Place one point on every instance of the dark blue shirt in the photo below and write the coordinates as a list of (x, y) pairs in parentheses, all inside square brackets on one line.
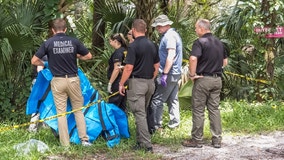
[(61, 51)]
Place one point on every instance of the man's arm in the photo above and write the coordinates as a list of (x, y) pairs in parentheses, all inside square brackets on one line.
[(192, 66), (125, 75), (156, 66), (36, 61), (86, 57), (170, 60)]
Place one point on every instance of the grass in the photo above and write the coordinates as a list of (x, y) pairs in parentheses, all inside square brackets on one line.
[(238, 117)]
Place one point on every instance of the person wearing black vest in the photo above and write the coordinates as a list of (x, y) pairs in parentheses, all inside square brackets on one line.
[(141, 67), (115, 65), (62, 52), (206, 62)]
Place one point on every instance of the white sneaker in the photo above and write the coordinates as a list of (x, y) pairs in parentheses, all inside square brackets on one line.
[(86, 143), (173, 125)]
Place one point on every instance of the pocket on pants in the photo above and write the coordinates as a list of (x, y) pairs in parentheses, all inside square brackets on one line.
[(132, 96)]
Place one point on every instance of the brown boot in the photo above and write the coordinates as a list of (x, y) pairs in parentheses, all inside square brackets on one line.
[(192, 143)]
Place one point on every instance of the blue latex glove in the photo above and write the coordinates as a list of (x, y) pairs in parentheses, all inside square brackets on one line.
[(45, 64), (164, 80)]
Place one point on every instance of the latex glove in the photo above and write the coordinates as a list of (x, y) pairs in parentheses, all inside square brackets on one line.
[(109, 88), (163, 80), (45, 64)]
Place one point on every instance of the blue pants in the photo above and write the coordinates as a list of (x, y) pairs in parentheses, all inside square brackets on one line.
[(169, 95)]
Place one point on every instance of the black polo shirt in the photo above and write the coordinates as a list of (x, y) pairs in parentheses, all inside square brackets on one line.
[(142, 54), (117, 56), (210, 53), (61, 51)]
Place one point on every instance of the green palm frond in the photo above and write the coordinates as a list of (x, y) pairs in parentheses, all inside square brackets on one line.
[(117, 15), (6, 52), (22, 27), (84, 31)]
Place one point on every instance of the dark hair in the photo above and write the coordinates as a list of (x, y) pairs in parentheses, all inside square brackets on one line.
[(59, 24), (120, 38), (139, 25)]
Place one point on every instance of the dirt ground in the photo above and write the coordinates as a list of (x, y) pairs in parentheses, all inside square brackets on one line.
[(268, 146), (245, 147)]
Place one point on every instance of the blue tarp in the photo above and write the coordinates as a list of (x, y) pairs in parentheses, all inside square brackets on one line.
[(112, 124)]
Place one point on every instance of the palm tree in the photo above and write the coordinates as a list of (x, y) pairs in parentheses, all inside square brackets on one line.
[(20, 30), (23, 26)]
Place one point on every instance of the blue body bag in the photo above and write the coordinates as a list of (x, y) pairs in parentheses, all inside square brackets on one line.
[(101, 117)]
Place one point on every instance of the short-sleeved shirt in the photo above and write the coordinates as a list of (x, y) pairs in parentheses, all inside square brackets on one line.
[(210, 53), (117, 56), (142, 54), (171, 40), (61, 51)]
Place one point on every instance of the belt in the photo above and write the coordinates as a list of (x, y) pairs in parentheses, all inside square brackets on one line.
[(143, 77), (211, 74), (66, 75)]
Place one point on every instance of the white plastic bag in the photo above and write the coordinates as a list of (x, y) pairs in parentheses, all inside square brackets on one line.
[(32, 144)]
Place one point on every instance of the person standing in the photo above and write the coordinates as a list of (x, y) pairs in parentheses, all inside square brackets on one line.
[(130, 36), (116, 61), (62, 52), (206, 62), (170, 52), (141, 67)]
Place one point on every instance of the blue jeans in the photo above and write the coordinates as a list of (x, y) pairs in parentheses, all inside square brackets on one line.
[(169, 95)]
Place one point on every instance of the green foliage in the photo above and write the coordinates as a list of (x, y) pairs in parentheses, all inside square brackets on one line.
[(184, 95), (241, 116), (237, 117), (13, 96), (248, 64), (184, 24), (116, 14), (23, 27)]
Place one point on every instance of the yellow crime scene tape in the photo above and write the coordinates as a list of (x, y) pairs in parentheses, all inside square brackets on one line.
[(58, 115), (238, 75), (93, 103), (248, 78)]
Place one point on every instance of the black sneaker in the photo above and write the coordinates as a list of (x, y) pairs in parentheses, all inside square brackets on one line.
[(138, 147), (149, 149)]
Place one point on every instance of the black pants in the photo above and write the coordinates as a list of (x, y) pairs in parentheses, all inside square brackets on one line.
[(117, 99)]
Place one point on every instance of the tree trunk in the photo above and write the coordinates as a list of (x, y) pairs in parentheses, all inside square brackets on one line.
[(147, 11), (269, 21), (97, 35)]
